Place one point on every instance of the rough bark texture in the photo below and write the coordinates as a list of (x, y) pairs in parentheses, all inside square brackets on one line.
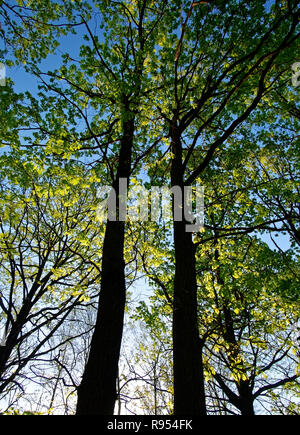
[(189, 394), (98, 390)]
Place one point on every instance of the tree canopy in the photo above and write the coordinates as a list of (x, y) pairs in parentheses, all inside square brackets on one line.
[(129, 315)]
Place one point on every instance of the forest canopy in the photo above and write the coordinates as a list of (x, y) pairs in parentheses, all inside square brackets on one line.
[(149, 207)]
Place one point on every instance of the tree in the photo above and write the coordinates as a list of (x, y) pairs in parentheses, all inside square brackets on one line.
[(200, 78), (246, 322), (130, 29), (47, 267), (113, 81), (250, 345), (210, 94)]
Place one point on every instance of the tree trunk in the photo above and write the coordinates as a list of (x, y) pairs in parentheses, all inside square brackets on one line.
[(247, 407), (98, 390), (189, 393), (246, 400)]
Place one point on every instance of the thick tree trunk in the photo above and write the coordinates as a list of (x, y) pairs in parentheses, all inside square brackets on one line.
[(247, 407), (189, 393), (246, 401), (98, 390)]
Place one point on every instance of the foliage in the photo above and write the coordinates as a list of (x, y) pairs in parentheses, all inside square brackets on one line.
[(202, 92)]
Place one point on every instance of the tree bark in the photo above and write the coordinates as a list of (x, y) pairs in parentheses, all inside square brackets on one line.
[(189, 392), (98, 390), (246, 399), (189, 395)]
